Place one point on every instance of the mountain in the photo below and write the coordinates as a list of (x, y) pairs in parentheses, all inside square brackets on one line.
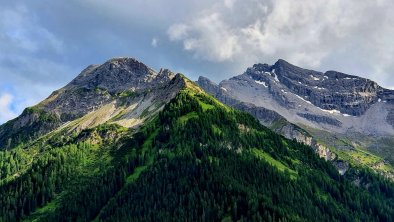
[(122, 91), (343, 117), (122, 142)]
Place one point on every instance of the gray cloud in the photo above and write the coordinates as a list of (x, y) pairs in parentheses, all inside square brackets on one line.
[(352, 36), (6, 112), (44, 44)]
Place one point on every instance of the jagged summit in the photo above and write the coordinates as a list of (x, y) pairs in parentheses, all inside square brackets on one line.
[(328, 100), (279, 65), (282, 67), (103, 82), (116, 75), (331, 90), (321, 109), (112, 150), (121, 90)]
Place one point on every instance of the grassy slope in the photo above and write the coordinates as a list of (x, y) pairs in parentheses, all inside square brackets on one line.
[(279, 165), (355, 151)]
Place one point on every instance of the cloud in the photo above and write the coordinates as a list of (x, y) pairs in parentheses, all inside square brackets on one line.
[(178, 32), (21, 33), (6, 112), (310, 33), (154, 42), (30, 60), (229, 3), (44, 44), (208, 37)]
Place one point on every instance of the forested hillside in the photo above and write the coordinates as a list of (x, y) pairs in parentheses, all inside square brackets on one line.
[(197, 160)]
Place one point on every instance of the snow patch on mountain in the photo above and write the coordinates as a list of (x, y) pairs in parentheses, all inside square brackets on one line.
[(261, 83)]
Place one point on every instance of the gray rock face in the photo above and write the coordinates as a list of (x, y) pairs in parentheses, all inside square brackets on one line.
[(268, 118), (292, 131), (97, 85), (341, 166), (330, 101), (330, 90), (114, 82), (31, 124), (117, 75), (209, 86), (312, 106), (320, 119), (390, 117)]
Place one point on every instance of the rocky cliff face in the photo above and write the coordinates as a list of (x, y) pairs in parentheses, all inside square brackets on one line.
[(331, 90), (98, 85), (268, 118), (305, 105), (123, 88), (330, 101), (265, 116)]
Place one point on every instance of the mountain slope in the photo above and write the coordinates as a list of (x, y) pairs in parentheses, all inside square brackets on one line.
[(119, 90), (337, 112), (269, 118), (195, 159), (330, 101)]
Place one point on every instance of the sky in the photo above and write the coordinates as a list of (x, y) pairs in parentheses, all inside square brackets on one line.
[(45, 44)]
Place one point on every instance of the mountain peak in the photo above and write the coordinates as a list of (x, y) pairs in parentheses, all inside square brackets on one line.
[(99, 93), (284, 87), (205, 79), (127, 63), (280, 64), (283, 62), (120, 132), (117, 74)]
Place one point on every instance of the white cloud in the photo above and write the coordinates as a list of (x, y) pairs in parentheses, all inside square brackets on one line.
[(229, 3), (154, 42), (317, 34), (178, 32), (6, 113), (44, 44), (21, 33), (208, 37), (30, 61)]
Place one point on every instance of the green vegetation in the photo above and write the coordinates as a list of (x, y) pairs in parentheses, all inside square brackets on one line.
[(358, 151), (100, 90), (137, 172), (197, 160), (183, 119), (261, 154), (37, 123), (205, 106), (125, 96)]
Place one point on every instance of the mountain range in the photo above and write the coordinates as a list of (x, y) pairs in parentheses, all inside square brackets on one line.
[(344, 117), (122, 142)]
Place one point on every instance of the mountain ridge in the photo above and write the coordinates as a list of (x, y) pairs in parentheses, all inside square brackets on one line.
[(306, 98), (180, 155), (96, 87), (302, 81), (311, 89)]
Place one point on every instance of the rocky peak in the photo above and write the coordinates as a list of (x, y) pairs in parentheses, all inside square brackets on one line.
[(209, 86), (203, 79), (115, 75), (98, 85), (99, 93), (331, 90), (164, 76), (260, 67)]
